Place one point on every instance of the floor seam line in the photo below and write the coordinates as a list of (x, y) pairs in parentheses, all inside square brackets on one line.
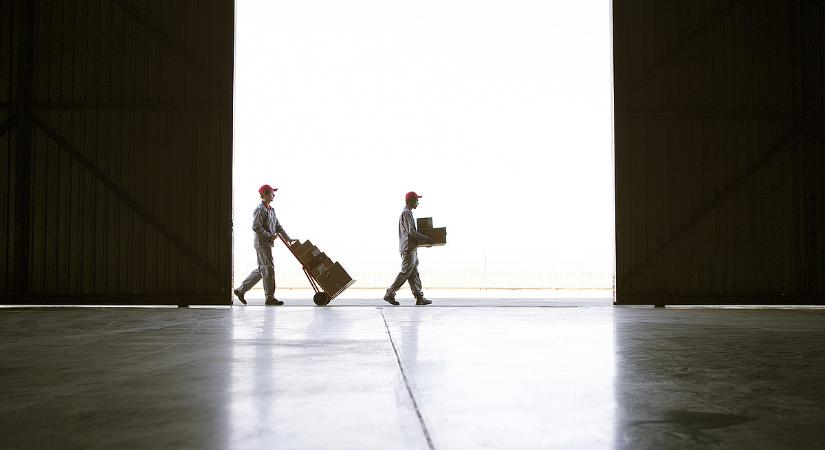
[(407, 383)]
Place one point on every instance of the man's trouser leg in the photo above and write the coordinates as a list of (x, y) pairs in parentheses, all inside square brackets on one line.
[(409, 260), (251, 280), (267, 268), (414, 279)]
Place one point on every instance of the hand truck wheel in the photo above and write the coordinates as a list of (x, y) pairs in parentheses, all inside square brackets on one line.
[(321, 298)]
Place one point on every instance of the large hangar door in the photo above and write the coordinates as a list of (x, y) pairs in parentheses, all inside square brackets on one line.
[(719, 145), (116, 138)]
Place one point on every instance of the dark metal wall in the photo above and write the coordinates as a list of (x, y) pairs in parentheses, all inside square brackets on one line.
[(719, 151), (116, 143)]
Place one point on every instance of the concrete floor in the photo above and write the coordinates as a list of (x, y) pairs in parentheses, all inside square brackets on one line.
[(445, 377)]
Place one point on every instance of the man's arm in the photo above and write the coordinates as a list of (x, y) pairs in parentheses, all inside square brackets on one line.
[(423, 238), (409, 227), (280, 230)]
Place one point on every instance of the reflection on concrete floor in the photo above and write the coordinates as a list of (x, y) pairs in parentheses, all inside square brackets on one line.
[(395, 377)]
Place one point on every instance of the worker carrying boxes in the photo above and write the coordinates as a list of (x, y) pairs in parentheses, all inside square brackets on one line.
[(438, 236), (327, 278)]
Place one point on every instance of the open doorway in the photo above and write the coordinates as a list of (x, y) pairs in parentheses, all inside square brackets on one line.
[(498, 113)]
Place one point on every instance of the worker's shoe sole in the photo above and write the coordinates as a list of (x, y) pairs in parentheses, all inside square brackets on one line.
[(239, 294), (392, 301)]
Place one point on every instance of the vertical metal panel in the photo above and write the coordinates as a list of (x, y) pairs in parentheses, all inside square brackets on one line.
[(719, 156), (131, 152), (6, 154)]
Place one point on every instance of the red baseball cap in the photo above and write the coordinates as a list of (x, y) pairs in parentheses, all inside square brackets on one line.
[(266, 188), (411, 195)]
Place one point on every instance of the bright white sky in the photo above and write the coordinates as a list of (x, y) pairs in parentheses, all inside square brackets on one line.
[(497, 112)]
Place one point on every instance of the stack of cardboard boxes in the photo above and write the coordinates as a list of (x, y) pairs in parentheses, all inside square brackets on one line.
[(332, 278), (438, 236)]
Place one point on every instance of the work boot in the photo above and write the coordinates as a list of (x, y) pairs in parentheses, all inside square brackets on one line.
[(390, 299), (420, 301), (239, 294), (273, 302)]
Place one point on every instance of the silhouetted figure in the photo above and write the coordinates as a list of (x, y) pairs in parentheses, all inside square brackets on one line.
[(266, 226), (408, 239)]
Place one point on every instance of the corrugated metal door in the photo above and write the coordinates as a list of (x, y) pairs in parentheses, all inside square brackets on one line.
[(116, 151), (719, 151)]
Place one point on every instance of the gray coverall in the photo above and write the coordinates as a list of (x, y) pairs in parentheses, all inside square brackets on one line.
[(264, 221), (408, 237)]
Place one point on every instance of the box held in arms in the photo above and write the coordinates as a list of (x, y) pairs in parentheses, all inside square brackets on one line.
[(424, 223), (438, 236)]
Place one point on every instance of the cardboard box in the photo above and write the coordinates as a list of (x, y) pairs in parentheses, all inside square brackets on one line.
[(331, 277), (320, 268), (298, 247), (320, 258), (424, 223), (308, 253), (334, 279), (438, 236)]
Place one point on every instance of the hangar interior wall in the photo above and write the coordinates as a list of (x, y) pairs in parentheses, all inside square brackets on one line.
[(116, 143), (719, 145)]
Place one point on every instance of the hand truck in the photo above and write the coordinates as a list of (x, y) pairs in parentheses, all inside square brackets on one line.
[(321, 298)]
